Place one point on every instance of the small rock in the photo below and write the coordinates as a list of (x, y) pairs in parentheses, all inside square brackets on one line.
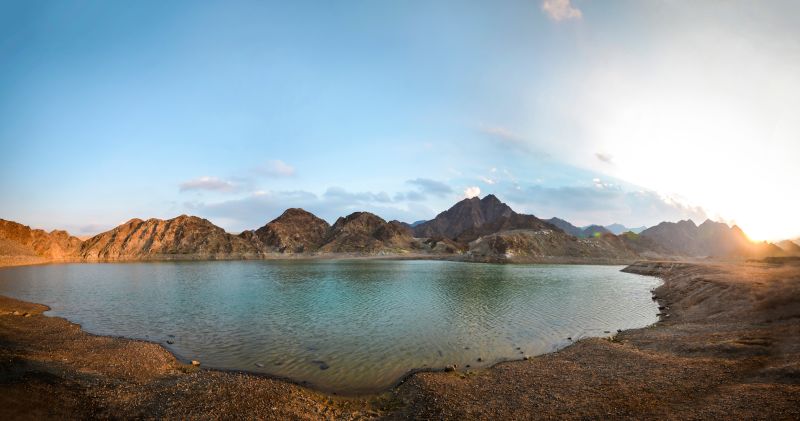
[(521, 352), (195, 363), (606, 331), (449, 368), (569, 338), (662, 307), (480, 359), (619, 330), (467, 366), (16, 313), (27, 315), (170, 342), (526, 358), (259, 365)]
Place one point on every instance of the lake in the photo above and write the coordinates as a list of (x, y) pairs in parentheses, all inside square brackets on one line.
[(344, 326)]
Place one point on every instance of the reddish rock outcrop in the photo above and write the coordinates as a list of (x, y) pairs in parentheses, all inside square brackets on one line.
[(181, 238)]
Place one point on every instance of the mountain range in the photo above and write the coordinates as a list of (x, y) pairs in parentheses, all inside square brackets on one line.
[(473, 230)]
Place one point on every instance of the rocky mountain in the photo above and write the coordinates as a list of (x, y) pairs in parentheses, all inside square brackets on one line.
[(566, 227), (295, 231), (710, 239), (364, 232), (618, 229), (594, 231), (184, 237), (472, 218), (790, 247), (467, 214), (580, 232), (20, 244)]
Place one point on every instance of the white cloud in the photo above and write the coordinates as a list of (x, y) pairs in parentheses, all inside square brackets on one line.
[(208, 183), (471, 192), (559, 10), (487, 180), (276, 168)]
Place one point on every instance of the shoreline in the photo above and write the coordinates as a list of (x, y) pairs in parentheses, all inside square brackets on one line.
[(33, 349), (459, 258)]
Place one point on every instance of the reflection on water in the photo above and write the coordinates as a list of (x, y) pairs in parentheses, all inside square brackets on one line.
[(345, 326)]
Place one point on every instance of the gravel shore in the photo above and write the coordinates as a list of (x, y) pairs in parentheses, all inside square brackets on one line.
[(727, 347)]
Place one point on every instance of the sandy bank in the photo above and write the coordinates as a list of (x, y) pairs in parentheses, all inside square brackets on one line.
[(729, 347)]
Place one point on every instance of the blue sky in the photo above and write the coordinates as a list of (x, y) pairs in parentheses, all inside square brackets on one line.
[(235, 111)]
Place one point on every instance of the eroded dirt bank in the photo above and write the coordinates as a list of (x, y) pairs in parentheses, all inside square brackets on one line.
[(729, 348)]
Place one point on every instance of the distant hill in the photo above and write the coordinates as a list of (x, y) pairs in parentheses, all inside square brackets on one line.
[(580, 232), (566, 227), (790, 247), (710, 239), (594, 231), (618, 229)]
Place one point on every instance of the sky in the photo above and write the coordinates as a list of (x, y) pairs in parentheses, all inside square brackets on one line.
[(593, 111)]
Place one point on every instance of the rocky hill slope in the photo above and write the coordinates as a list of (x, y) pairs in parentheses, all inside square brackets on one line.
[(364, 232), (20, 244), (181, 238), (465, 215), (710, 239), (295, 231), (523, 246)]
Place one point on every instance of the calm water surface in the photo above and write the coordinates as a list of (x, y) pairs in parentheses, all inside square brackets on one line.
[(343, 326)]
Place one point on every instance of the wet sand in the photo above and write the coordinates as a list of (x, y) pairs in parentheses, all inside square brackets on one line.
[(729, 348)]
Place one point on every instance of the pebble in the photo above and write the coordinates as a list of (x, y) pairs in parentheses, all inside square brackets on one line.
[(449, 368), (259, 365), (195, 363), (480, 359)]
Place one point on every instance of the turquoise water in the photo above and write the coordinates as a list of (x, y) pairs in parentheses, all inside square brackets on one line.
[(344, 326)]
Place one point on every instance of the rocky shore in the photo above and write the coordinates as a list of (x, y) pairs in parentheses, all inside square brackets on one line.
[(727, 347)]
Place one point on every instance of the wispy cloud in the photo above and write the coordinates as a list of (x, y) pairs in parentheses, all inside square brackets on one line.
[(505, 137), (342, 195), (602, 203), (559, 10), (432, 187), (208, 184), (276, 168)]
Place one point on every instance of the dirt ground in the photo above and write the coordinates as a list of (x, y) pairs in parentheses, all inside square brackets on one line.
[(727, 347)]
